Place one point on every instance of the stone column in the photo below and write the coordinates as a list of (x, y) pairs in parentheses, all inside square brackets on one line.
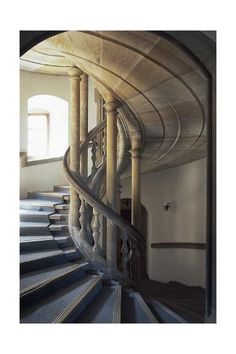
[(111, 179), (136, 183), (118, 230), (118, 201), (84, 123), (136, 205), (74, 134)]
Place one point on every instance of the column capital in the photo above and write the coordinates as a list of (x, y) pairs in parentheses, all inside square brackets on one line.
[(111, 103), (135, 153), (74, 72), (135, 150)]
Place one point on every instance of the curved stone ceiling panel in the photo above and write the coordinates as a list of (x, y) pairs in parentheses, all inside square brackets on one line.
[(160, 84)]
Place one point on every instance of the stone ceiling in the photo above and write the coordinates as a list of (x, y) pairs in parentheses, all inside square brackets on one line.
[(164, 88)]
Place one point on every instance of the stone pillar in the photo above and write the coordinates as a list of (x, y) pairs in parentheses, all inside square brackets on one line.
[(111, 179), (118, 201), (74, 134), (136, 183), (118, 230), (84, 123), (136, 206)]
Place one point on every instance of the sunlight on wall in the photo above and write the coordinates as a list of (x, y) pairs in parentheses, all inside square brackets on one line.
[(58, 121)]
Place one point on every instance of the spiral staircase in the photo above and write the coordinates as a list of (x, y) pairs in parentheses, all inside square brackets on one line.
[(66, 275), (64, 272)]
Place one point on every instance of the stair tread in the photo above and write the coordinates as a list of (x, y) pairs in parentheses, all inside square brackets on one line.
[(56, 216), (24, 239), (135, 309), (164, 313), (71, 249), (33, 224), (27, 257), (62, 206), (61, 238), (58, 226), (34, 212), (51, 193), (50, 307), (35, 201), (101, 309), (42, 275), (61, 186)]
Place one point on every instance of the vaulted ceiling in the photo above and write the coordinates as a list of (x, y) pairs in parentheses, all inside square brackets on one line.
[(163, 87)]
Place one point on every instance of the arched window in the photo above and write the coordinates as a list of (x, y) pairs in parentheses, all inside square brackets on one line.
[(47, 127)]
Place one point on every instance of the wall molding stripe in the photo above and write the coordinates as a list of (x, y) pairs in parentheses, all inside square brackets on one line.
[(188, 245)]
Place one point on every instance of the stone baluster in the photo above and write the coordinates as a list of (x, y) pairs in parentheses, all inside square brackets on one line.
[(83, 221), (135, 262), (103, 145), (96, 233), (85, 233), (124, 255), (93, 156)]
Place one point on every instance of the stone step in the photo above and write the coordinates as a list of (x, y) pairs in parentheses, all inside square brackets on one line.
[(62, 208), (66, 304), (50, 196), (163, 313), (59, 228), (34, 228), (37, 205), (72, 253), (105, 308), (39, 283), (34, 216), (59, 217), (134, 308), (62, 189), (37, 243), (63, 241), (40, 259)]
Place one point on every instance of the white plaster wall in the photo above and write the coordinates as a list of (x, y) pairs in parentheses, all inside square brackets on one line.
[(41, 177), (185, 185), (44, 176)]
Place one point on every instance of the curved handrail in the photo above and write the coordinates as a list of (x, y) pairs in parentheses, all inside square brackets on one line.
[(91, 190), (93, 133), (81, 188)]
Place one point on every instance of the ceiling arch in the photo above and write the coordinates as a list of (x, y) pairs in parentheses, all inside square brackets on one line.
[(164, 87)]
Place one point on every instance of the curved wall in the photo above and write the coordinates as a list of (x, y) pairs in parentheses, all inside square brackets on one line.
[(184, 185), (44, 176)]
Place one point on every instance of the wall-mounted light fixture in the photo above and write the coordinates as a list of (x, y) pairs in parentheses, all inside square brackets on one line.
[(167, 206)]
